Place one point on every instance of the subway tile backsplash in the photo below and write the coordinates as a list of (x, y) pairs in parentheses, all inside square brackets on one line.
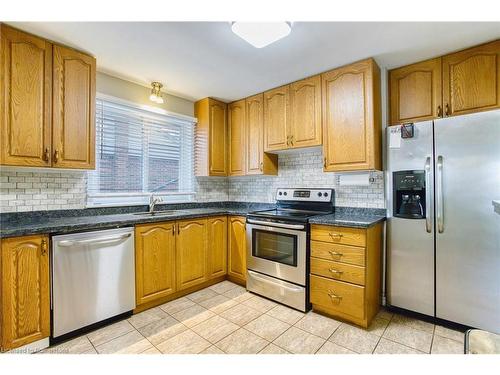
[(53, 190)]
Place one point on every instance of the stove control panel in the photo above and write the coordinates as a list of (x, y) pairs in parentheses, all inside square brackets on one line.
[(305, 195)]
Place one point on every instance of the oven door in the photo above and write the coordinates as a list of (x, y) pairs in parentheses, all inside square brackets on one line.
[(277, 249)]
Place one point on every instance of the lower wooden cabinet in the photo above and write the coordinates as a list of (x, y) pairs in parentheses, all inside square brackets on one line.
[(345, 272), (25, 291), (217, 246), (191, 254), (237, 266), (154, 261)]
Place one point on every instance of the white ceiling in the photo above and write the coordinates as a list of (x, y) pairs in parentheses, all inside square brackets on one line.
[(200, 59)]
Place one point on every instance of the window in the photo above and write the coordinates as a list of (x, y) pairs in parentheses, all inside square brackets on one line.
[(138, 152)]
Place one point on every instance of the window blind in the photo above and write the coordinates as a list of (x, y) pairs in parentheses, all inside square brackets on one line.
[(139, 152)]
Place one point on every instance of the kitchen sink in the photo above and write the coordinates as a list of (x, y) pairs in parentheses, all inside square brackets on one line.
[(155, 213)]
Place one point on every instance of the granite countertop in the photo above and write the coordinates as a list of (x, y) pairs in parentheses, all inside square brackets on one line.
[(70, 221)]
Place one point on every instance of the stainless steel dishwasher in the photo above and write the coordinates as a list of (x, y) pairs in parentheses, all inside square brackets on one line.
[(93, 278)]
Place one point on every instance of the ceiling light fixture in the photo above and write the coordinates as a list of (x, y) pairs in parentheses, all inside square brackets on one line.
[(156, 93), (261, 34)]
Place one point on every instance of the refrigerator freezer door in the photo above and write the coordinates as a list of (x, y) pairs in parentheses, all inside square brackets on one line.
[(467, 248), (410, 242)]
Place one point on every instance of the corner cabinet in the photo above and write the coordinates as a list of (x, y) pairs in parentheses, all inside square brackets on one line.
[(237, 138), (154, 261), (47, 105), (25, 291), (211, 138), (351, 118), (237, 249)]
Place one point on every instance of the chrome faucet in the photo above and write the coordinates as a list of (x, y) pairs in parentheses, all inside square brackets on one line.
[(153, 201)]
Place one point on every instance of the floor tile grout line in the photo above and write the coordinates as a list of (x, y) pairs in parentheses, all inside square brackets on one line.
[(409, 347), (382, 335)]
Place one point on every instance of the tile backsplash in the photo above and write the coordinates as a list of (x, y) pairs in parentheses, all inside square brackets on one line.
[(53, 190)]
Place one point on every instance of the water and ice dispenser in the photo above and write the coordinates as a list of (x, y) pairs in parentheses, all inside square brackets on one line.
[(408, 190)]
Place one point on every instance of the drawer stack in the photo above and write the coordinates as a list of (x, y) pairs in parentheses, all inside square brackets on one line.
[(345, 272)]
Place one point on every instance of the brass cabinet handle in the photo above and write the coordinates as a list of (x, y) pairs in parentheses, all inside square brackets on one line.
[(335, 253), (337, 272), (56, 156), (46, 154), (439, 111), (336, 236), (178, 229), (291, 140), (332, 295), (43, 247), (288, 140), (447, 110), (261, 166), (173, 230), (324, 163)]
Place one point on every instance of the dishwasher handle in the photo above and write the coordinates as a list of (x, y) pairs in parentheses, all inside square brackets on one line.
[(69, 243)]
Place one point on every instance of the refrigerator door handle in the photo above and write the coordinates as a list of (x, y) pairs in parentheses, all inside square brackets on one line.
[(428, 219), (439, 195)]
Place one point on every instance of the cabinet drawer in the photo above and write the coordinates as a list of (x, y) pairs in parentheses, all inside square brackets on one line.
[(338, 296), (340, 235), (338, 271), (338, 253)]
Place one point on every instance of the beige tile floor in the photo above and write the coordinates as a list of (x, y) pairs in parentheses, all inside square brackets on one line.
[(225, 318)]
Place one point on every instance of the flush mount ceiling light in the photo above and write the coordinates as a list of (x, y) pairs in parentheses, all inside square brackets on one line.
[(156, 93), (261, 34)]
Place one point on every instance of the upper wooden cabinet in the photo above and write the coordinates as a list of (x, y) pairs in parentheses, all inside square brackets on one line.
[(471, 80), (25, 294), (73, 126), (237, 138), (257, 161), (415, 92), (211, 138), (237, 249), (217, 246), (48, 103), (26, 99), (154, 261), (351, 118), (276, 118), (191, 257), (305, 113)]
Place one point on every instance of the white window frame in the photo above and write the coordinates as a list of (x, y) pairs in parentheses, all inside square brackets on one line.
[(136, 199)]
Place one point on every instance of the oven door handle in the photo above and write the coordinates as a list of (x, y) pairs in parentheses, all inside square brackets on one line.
[(255, 276), (278, 225)]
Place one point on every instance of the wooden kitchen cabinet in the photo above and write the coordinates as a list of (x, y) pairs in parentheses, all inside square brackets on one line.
[(471, 80), (48, 103), (351, 118), (276, 119), (345, 277), (257, 161), (217, 246), (155, 266), (191, 256), (237, 138), (26, 99), (211, 138), (237, 249), (25, 290), (415, 92), (305, 113)]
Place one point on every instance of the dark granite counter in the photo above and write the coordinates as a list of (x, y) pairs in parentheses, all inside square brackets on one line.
[(69, 221), (351, 217)]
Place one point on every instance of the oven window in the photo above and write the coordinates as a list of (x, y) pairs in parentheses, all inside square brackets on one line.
[(277, 247)]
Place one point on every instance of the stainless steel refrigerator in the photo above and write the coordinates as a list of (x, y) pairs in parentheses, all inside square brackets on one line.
[(443, 247)]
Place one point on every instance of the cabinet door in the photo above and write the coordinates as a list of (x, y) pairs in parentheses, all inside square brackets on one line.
[(26, 89), (73, 126), (305, 113), (255, 130), (217, 246), (25, 290), (351, 117), (237, 137), (154, 261), (218, 138), (471, 80), (237, 266), (191, 246), (415, 92), (276, 112)]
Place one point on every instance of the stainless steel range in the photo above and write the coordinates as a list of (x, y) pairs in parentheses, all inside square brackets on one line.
[(278, 245)]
